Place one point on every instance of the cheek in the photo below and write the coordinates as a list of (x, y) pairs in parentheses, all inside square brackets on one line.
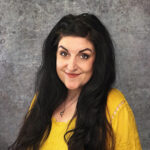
[(58, 66), (59, 63), (88, 70), (88, 67), (59, 71)]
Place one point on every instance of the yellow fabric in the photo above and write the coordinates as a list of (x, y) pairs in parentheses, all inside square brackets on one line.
[(123, 122), (119, 115)]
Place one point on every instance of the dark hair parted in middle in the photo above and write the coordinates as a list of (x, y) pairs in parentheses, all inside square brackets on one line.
[(92, 127)]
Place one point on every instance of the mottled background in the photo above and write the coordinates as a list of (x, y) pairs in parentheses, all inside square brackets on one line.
[(24, 24)]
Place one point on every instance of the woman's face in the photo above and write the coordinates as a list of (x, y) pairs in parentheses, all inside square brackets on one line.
[(74, 61)]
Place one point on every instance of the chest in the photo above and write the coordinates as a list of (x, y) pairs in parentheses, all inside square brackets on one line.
[(55, 140)]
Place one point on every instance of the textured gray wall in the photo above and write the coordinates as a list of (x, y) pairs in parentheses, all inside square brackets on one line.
[(24, 24)]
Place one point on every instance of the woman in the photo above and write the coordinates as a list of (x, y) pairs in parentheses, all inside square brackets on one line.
[(75, 106)]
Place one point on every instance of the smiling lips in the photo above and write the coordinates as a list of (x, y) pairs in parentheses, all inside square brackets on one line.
[(72, 75)]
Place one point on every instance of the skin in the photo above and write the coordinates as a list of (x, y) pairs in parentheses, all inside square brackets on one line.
[(74, 66), (75, 58)]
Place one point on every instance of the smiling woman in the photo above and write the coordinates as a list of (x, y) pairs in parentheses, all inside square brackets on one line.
[(75, 58), (75, 106)]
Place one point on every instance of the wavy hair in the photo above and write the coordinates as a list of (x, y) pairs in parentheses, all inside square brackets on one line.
[(92, 130)]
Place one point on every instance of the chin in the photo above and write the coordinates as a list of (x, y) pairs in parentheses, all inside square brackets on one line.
[(72, 87)]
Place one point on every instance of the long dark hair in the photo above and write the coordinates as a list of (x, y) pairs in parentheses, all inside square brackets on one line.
[(92, 130)]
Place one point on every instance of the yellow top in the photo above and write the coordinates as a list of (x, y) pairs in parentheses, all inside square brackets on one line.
[(119, 115)]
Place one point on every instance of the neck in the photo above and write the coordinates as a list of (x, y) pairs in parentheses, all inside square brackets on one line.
[(73, 95), (71, 100)]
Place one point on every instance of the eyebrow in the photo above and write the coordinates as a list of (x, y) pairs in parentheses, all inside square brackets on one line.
[(86, 49)]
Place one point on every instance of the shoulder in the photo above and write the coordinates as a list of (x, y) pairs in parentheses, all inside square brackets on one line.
[(115, 101), (122, 121), (114, 97)]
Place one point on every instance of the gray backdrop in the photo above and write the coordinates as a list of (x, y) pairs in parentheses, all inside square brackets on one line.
[(24, 24)]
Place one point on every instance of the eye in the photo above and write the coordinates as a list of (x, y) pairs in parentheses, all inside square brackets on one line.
[(63, 53), (84, 56)]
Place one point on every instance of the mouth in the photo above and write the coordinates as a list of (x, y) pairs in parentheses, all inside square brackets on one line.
[(72, 75)]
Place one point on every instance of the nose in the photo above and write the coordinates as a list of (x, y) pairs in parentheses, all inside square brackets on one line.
[(72, 66)]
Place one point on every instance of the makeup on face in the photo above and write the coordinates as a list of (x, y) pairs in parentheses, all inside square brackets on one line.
[(74, 62)]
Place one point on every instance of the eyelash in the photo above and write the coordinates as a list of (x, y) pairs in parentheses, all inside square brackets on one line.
[(83, 56), (63, 54)]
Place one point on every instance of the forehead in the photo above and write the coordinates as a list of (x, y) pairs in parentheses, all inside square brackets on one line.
[(75, 43)]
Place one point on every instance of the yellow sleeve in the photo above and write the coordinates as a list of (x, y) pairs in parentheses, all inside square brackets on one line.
[(125, 129)]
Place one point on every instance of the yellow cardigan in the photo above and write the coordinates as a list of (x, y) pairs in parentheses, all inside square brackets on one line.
[(119, 115)]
